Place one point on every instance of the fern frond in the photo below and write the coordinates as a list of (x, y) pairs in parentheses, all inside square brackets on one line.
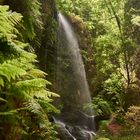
[(21, 83), (8, 21), (45, 94), (12, 112), (10, 71), (47, 106), (28, 87), (34, 107), (1, 81), (33, 83), (4, 8), (22, 63), (34, 7), (2, 100), (17, 130), (8, 113), (18, 46), (15, 18), (37, 73), (51, 94)]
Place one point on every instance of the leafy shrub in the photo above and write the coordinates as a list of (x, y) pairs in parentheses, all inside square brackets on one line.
[(132, 119), (100, 106)]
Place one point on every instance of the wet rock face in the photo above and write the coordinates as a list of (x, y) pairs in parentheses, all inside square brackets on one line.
[(64, 134), (78, 118), (74, 133), (82, 134), (75, 125)]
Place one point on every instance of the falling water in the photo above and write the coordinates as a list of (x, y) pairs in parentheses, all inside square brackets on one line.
[(72, 85), (68, 130), (62, 125), (72, 53)]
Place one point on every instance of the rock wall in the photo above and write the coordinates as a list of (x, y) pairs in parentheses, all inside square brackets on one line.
[(47, 51)]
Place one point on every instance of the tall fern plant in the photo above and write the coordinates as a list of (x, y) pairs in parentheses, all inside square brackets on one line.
[(25, 102)]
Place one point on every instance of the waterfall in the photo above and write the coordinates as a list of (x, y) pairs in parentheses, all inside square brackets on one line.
[(70, 133), (73, 86), (70, 53)]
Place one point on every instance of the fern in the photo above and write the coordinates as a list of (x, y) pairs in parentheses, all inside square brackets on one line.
[(32, 18), (100, 106), (8, 22), (45, 94), (37, 73), (11, 112), (23, 91), (48, 106), (2, 100), (1, 81), (10, 71)]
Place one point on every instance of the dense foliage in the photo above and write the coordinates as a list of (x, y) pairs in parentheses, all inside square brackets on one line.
[(25, 101), (111, 54), (108, 33)]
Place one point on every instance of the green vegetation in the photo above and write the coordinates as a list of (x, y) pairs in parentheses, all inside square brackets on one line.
[(108, 33), (111, 56), (25, 101)]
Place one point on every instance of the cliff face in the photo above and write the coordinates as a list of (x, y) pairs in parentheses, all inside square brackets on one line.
[(47, 51), (47, 38)]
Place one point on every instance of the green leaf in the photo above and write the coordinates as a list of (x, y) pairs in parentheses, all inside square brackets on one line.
[(1, 82), (10, 71), (2, 100)]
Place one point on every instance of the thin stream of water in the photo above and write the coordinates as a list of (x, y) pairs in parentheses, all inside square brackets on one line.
[(72, 84), (76, 60)]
